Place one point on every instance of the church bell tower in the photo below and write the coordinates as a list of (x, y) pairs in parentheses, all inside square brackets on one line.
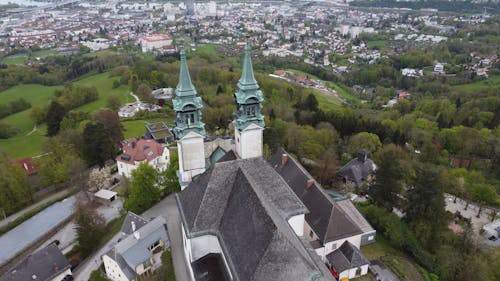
[(189, 130), (249, 122)]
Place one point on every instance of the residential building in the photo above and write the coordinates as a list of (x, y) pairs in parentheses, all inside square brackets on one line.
[(47, 264), (155, 42), (359, 170), (138, 254), (137, 151)]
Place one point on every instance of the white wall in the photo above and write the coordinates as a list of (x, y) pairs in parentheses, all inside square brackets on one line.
[(112, 269), (297, 223), (198, 247), (249, 142), (191, 156), (62, 275), (351, 273)]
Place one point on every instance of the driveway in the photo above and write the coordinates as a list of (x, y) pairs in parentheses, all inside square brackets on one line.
[(166, 208)]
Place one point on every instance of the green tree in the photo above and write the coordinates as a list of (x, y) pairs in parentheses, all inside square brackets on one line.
[(55, 115), (98, 146), (15, 190), (89, 227), (59, 164), (425, 208), (113, 102), (393, 170), (483, 194), (169, 179), (363, 140), (143, 190)]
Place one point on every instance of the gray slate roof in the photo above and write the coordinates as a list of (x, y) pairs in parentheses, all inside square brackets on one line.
[(127, 223), (246, 204), (328, 220), (45, 264), (346, 257), (358, 169), (131, 251)]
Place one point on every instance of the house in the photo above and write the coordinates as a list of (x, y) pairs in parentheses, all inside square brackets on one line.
[(241, 221), (159, 132), (138, 254), (358, 170), (47, 264), (163, 94), (329, 222), (412, 72), (439, 68), (135, 152), (347, 262), (492, 230), (155, 42)]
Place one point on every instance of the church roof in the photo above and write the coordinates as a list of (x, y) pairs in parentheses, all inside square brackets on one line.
[(246, 204), (328, 219)]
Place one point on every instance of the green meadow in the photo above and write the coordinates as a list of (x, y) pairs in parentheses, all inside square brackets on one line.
[(23, 145)]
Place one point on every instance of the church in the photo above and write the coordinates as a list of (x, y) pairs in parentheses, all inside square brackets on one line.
[(241, 219)]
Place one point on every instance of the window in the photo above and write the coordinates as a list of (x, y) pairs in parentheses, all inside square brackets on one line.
[(311, 234), (370, 238), (358, 271), (154, 245), (250, 110)]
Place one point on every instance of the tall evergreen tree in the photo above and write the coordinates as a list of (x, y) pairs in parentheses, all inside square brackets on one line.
[(393, 170), (54, 116), (98, 145), (425, 208)]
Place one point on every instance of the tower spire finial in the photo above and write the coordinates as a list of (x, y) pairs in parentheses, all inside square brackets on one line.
[(185, 86), (247, 80)]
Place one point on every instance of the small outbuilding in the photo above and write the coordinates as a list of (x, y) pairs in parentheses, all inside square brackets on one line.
[(105, 196)]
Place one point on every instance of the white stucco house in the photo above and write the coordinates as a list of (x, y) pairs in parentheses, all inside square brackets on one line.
[(139, 252), (135, 152)]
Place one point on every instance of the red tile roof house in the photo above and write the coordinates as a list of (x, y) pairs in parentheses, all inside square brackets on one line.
[(140, 151)]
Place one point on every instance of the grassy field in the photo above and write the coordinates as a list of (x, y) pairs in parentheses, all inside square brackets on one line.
[(134, 128), (378, 44), (480, 85), (395, 260), (22, 58), (24, 145)]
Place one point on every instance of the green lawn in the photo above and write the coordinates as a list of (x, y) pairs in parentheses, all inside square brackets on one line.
[(379, 44), (23, 145), (102, 53), (104, 85), (326, 101), (480, 85), (17, 59), (394, 259), (134, 128), (22, 58)]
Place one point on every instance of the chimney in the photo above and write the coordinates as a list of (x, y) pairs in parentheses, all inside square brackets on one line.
[(133, 144), (133, 226), (310, 183), (137, 235), (284, 159), (362, 155)]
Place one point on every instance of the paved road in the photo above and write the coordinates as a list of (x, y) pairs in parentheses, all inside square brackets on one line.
[(175, 235), (166, 208), (13, 217)]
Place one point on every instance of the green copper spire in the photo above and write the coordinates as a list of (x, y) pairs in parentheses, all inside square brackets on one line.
[(248, 98), (247, 80), (185, 86), (187, 105)]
